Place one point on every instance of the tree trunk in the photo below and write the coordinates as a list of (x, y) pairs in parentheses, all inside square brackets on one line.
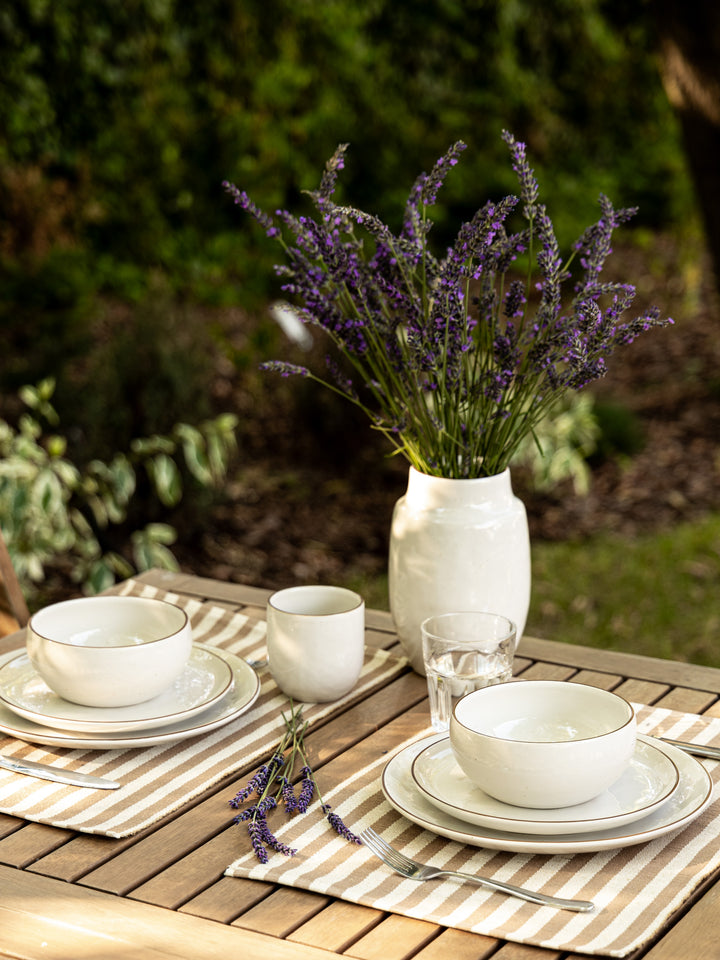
[(690, 50)]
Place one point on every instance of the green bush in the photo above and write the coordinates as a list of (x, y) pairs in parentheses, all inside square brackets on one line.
[(54, 512), (119, 122), (132, 114)]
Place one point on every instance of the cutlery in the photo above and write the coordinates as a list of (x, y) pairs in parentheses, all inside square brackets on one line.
[(413, 870), (46, 772), (697, 749)]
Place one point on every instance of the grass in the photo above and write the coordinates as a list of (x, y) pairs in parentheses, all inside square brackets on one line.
[(656, 595)]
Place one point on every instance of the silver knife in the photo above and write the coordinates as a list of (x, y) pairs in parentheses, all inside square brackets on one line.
[(697, 749), (46, 772)]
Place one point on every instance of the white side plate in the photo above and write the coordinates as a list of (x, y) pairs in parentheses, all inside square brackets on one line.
[(687, 803), (239, 699), (649, 781), (204, 681)]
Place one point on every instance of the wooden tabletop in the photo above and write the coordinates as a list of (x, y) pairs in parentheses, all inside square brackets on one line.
[(162, 893)]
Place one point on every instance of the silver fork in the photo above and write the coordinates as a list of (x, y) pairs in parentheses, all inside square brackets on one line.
[(413, 870)]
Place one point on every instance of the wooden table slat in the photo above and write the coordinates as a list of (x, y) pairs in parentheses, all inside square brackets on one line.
[(395, 938), (23, 847), (227, 899), (42, 917), (282, 912), (695, 936), (338, 926), (459, 945)]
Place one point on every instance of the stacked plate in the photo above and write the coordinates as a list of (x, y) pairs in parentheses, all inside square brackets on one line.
[(662, 790), (215, 688)]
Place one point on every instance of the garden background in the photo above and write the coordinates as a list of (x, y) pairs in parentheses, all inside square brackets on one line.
[(134, 297)]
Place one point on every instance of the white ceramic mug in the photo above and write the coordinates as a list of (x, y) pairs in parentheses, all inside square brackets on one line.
[(315, 641)]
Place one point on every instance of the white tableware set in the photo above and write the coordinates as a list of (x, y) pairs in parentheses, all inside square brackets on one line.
[(114, 672), (546, 767)]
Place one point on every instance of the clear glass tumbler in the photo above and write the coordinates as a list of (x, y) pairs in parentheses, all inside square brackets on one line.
[(464, 652)]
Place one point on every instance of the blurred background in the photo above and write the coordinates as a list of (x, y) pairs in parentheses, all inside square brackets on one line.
[(135, 426)]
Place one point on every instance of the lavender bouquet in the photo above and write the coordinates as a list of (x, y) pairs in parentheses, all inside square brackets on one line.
[(454, 360), (272, 787)]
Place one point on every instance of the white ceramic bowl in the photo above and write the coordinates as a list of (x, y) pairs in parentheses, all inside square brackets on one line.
[(543, 743), (109, 651)]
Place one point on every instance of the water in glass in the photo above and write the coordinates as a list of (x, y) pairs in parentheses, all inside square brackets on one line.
[(452, 674)]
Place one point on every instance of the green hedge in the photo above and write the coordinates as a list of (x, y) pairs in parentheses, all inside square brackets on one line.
[(119, 122)]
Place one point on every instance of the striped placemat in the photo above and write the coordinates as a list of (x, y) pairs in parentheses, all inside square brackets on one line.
[(158, 779), (635, 889)]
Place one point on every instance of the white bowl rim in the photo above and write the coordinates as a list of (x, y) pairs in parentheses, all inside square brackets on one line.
[(100, 646), (275, 599), (547, 683)]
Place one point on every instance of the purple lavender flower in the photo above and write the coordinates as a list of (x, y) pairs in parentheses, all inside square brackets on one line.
[(255, 830), (288, 795), (515, 300), (453, 359), (262, 837), (307, 790), (244, 201), (332, 167), (435, 179), (528, 184), (285, 369), (258, 782), (338, 826), (253, 784)]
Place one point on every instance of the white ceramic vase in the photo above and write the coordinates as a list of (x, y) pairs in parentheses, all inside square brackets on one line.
[(457, 545)]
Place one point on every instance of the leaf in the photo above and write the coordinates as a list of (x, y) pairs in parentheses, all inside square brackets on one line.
[(165, 478), (123, 477), (100, 577), (148, 553), (161, 532)]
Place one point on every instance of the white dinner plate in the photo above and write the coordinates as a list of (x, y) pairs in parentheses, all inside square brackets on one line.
[(686, 803), (650, 780), (239, 698), (204, 681)]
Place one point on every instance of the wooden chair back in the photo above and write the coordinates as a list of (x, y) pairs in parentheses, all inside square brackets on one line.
[(13, 590)]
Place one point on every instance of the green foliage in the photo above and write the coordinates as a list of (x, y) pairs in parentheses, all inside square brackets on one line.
[(620, 431), (54, 511), (132, 114), (561, 444), (654, 594), (119, 122), (46, 311), (148, 366)]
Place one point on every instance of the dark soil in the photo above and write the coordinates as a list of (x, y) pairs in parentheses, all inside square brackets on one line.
[(314, 491)]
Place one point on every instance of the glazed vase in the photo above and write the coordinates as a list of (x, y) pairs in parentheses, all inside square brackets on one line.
[(457, 545)]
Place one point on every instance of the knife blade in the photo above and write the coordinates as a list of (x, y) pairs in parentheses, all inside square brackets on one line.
[(46, 772), (697, 749)]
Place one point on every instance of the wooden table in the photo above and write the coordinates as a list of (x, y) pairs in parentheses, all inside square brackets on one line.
[(162, 893)]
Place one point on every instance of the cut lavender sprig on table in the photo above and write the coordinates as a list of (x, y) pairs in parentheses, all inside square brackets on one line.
[(454, 359), (272, 787)]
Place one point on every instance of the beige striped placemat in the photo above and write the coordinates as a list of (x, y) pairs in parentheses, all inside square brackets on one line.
[(635, 889), (158, 779)]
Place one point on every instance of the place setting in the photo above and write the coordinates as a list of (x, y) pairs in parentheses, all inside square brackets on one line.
[(537, 766), (536, 809), (116, 672), (144, 699)]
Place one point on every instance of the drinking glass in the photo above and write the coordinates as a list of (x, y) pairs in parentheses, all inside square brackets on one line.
[(463, 652)]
